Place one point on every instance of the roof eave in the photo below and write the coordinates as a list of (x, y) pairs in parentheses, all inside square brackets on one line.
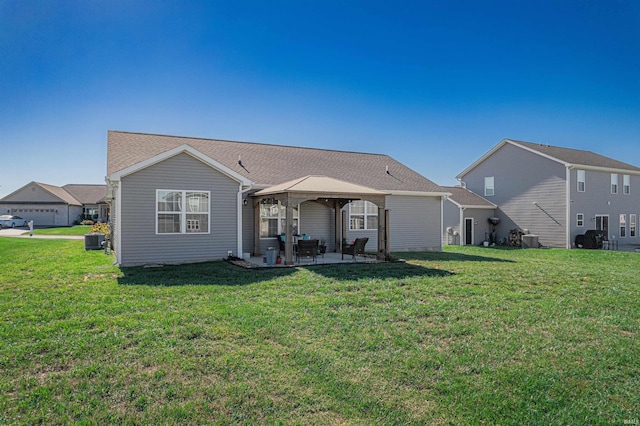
[(420, 193), (502, 143), (604, 169), (187, 149)]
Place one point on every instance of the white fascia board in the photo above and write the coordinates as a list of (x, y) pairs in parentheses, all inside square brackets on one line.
[(603, 169), (187, 149), (481, 159), (466, 206), (481, 207), (419, 194), (549, 157)]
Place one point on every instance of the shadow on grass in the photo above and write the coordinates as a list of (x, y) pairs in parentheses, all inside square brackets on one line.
[(208, 273), (224, 274), (446, 256), (388, 270)]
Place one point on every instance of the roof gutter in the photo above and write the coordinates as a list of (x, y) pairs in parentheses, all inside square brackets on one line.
[(603, 169), (420, 194)]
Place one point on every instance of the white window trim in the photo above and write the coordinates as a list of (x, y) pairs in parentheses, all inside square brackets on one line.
[(184, 212), (491, 187), (614, 183), (633, 225), (623, 225), (281, 219), (626, 184), (580, 220), (365, 214), (581, 181)]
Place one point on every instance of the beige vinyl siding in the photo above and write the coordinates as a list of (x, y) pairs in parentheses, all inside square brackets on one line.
[(34, 193), (372, 234), (415, 223), (247, 227), (530, 191), (318, 221), (451, 220), (139, 242), (481, 226)]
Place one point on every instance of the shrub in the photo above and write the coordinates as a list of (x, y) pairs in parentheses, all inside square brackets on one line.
[(87, 222), (101, 228)]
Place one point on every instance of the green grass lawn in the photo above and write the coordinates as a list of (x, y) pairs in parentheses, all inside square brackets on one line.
[(65, 230), (468, 336)]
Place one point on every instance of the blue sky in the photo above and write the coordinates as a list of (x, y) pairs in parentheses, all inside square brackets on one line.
[(433, 84)]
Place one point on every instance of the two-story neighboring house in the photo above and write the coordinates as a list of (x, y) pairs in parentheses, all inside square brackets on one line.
[(558, 193)]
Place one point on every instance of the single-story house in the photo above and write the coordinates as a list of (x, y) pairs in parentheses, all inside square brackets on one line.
[(50, 205), (558, 193), (181, 199), (469, 219)]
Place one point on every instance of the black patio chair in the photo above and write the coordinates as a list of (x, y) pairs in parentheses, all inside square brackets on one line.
[(307, 248), (280, 244), (355, 249)]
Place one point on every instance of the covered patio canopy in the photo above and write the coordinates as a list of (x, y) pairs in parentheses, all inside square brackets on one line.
[(335, 193)]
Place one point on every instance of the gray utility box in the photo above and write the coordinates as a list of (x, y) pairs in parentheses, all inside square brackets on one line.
[(93, 241), (530, 241)]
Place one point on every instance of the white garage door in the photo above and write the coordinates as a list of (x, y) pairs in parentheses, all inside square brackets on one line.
[(41, 217)]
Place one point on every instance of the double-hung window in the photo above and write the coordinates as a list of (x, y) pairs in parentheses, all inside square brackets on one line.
[(614, 183), (623, 225), (182, 212), (489, 188), (632, 225), (580, 220), (581, 180), (273, 216), (363, 215), (626, 184)]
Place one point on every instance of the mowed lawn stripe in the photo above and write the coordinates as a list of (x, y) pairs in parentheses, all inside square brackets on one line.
[(469, 335)]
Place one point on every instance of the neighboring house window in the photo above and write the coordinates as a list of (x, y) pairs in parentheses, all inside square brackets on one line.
[(580, 220), (626, 184), (632, 225), (182, 212), (273, 216), (581, 180), (623, 225), (363, 215), (614, 183), (489, 189)]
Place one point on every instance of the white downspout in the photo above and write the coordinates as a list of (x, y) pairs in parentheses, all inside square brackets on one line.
[(442, 222), (118, 197), (463, 229), (240, 196)]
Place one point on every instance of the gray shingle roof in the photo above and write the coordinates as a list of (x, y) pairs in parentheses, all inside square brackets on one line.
[(60, 193), (86, 194), (466, 198), (268, 165), (577, 156)]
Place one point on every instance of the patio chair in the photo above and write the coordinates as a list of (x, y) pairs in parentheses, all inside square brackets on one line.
[(281, 239), (307, 248), (355, 249)]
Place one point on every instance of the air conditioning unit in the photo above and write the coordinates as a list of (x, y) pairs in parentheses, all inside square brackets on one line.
[(93, 241)]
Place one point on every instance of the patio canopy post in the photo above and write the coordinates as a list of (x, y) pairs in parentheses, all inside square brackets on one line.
[(288, 224), (320, 189), (343, 226), (337, 205), (387, 235), (382, 240)]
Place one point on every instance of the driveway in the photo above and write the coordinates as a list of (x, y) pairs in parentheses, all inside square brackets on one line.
[(24, 233)]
